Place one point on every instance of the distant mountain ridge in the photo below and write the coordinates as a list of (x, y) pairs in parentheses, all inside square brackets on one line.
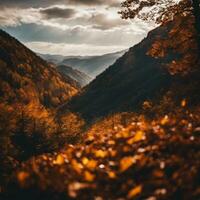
[(56, 59), (93, 65), (90, 65)]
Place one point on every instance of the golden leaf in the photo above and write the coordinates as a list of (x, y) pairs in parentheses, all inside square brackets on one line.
[(89, 176), (59, 160), (100, 154), (134, 192), (85, 160), (164, 120), (111, 142), (111, 175), (183, 103), (128, 161), (139, 135), (92, 164), (125, 163), (77, 166)]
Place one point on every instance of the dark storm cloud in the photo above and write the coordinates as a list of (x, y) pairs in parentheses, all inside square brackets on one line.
[(25, 3), (33, 3), (56, 12), (43, 3), (90, 2)]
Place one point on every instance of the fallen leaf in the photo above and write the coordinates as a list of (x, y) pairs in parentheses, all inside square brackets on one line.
[(134, 192), (112, 175), (59, 160), (91, 164), (100, 154), (126, 162), (77, 166), (89, 176), (164, 120), (183, 103), (85, 160), (139, 135)]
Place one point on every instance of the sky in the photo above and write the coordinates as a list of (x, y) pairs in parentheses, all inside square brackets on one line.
[(70, 27)]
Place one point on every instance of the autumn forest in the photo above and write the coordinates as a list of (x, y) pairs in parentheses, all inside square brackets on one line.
[(115, 125)]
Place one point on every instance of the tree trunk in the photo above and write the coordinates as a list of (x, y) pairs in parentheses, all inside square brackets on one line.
[(196, 12)]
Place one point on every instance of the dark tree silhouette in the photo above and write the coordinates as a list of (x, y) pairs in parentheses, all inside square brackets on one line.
[(162, 11)]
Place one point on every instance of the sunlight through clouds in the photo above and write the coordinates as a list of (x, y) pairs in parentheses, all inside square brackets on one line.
[(94, 23)]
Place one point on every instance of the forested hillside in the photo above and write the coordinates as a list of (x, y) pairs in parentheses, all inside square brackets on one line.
[(146, 72), (24, 77), (30, 92)]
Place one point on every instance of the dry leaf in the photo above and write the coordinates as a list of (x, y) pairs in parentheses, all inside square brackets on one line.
[(85, 160), (139, 135), (59, 160), (128, 161), (77, 166), (89, 176), (111, 174), (100, 154), (134, 192), (164, 120), (125, 163), (91, 164), (183, 103)]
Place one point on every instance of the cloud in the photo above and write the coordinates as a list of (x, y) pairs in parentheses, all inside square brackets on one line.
[(62, 17), (17, 16), (49, 16), (78, 35), (46, 3), (57, 12), (76, 27), (31, 3), (111, 3), (104, 22)]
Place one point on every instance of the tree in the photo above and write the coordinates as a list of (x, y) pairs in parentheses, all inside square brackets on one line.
[(162, 11)]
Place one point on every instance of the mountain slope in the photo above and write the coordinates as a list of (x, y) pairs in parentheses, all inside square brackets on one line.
[(25, 77), (82, 78), (137, 76), (92, 65), (134, 78)]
